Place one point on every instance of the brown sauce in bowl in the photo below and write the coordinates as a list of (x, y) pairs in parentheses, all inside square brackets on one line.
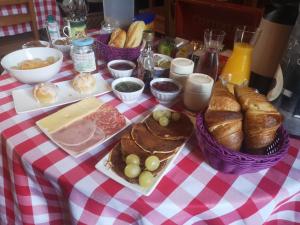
[(121, 66), (165, 86)]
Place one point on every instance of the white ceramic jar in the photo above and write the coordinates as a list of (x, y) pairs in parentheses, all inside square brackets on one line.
[(197, 91), (180, 69)]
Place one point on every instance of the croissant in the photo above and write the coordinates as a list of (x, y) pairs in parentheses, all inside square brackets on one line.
[(226, 128), (260, 128), (222, 100), (261, 119), (250, 99)]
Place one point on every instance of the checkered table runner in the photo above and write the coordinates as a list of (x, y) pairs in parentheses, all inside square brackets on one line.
[(41, 184), (43, 8)]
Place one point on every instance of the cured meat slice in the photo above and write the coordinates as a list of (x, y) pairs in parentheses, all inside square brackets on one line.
[(97, 137), (76, 133), (176, 130), (150, 143), (109, 119)]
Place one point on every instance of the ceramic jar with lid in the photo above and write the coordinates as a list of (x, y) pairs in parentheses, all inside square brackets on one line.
[(197, 91), (180, 69)]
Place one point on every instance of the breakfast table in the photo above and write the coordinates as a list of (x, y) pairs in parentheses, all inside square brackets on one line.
[(41, 184), (43, 8)]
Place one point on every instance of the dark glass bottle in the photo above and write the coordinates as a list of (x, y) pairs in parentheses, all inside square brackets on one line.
[(276, 26), (146, 59)]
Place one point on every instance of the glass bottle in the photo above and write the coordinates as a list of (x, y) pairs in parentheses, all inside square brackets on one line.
[(52, 28), (276, 25), (146, 59), (209, 59), (83, 55)]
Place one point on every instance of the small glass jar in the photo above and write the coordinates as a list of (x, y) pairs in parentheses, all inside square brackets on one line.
[(83, 55), (107, 28)]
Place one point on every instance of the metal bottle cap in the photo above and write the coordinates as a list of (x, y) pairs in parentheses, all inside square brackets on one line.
[(148, 35)]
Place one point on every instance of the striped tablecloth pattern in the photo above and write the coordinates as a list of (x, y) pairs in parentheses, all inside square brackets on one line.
[(41, 184)]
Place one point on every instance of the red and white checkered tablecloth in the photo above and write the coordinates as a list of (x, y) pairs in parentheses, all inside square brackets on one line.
[(43, 8), (41, 184)]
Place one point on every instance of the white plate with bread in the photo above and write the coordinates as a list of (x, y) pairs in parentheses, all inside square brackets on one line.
[(57, 94)]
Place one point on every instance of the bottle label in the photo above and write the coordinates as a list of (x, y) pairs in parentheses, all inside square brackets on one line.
[(269, 47), (84, 62), (53, 31)]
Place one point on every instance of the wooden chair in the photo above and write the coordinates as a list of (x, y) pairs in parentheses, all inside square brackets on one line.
[(192, 17), (11, 43)]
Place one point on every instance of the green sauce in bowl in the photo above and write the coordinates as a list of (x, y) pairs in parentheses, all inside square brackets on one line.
[(128, 86)]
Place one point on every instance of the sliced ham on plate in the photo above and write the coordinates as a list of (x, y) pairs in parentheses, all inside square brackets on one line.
[(76, 133), (79, 135)]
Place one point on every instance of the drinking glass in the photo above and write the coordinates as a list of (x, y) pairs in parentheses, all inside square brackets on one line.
[(209, 60), (237, 69)]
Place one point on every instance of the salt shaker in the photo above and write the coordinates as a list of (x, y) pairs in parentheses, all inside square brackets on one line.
[(197, 91)]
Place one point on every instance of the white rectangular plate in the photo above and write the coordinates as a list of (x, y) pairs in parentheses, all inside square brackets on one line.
[(75, 154), (103, 166), (25, 102)]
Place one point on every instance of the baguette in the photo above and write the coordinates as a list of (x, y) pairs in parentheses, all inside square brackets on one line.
[(117, 38), (135, 34)]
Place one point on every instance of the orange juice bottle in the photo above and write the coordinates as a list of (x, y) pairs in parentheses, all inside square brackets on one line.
[(237, 68)]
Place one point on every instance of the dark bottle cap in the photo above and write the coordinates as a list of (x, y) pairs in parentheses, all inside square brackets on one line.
[(148, 35), (282, 12)]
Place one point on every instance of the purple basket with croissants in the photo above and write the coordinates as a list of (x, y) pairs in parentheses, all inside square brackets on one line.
[(237, 162), (108, 53)]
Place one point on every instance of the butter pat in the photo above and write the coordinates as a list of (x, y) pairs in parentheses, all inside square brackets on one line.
[(69, 115)]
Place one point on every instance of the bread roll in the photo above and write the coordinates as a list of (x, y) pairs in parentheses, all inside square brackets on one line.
[(222, 100), (135, 34), (117, 38), (84, 83), (226, 128), (45, 93)]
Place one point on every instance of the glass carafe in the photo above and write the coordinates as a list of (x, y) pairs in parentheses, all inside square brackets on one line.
[(237, 68), (209, 59)]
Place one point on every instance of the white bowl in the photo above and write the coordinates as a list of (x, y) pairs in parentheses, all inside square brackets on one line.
[(37, 75), (63, 48), (27, 44), (165, 97), (159, 71), (128, 97), (121, 73)]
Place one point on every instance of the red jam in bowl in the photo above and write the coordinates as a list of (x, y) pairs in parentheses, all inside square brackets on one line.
[(121, 66), (165, 86)]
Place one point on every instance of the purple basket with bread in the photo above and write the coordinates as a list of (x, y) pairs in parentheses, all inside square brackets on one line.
[(242, 133), (120, 44)]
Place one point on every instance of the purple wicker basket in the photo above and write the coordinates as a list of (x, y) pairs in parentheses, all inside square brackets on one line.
[(108, 53), (235, 162)]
